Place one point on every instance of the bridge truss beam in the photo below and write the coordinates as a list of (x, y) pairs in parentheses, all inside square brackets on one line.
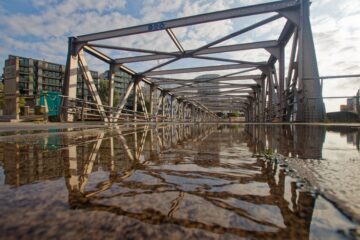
[(272, 95)]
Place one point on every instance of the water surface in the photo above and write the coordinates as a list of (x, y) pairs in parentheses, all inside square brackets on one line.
[(171, 181)]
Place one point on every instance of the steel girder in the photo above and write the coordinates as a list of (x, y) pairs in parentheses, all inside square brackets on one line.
[(200, 69), (193, 20), (273, 96), (156, 55)]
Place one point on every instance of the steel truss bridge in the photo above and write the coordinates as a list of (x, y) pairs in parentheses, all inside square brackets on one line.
[(263, 90)]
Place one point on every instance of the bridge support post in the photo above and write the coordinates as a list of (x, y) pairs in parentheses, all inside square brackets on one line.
[(70, 80), (257, 106), (151, 110), (163, 95), (250, 111), (111, 91), (263, 101), (183, 111), (274, 96), (281, 83), (310, 107), (172, 107), (135, 99), (178, 109)]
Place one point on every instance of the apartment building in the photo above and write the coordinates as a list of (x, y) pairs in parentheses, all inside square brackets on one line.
[(25, 78)]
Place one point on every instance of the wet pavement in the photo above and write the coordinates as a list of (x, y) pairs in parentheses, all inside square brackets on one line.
[(181, 182)]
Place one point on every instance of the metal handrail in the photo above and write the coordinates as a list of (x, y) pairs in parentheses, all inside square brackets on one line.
[(332, 77)]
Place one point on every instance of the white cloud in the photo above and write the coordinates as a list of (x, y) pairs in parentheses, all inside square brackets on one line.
[(43, 3), (154, 10)]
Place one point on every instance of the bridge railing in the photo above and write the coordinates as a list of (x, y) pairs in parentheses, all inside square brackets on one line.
[(293, 97), (86, 110)]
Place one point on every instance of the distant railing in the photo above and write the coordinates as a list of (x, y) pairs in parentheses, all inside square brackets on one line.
[(83, 109), (289, 94)]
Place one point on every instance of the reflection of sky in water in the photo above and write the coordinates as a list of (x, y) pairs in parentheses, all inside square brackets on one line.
[(340, 146), (326, 219), (337, 172)]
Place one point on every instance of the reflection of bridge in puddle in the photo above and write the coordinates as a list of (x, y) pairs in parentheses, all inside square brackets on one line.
[(304, 141), (199, 177)]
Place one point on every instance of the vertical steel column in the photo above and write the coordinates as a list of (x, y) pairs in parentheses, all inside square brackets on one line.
[(152, 91), (247, 115), (311, 107), (254, 107), (184, 111), (111, 91), (135, 98), (281, 83), (181, 111), (172, 107), (263, 100), (70, 79), (275, 95), (163, 105), (249, 108), (257, 106), (177, 109)]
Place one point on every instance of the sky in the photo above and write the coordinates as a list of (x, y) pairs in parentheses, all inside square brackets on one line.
[(40, 28)]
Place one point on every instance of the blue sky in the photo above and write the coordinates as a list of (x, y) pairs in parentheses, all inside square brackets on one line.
[(40, 28)]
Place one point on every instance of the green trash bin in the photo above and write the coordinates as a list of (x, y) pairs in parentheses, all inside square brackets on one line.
[(53, 101)]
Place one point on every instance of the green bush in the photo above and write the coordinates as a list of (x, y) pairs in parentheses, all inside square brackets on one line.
[(234, 114)]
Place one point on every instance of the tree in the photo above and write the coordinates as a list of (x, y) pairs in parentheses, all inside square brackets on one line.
[(104, 93), (221, 114)]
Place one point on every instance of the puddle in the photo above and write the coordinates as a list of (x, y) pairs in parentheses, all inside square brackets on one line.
[(327, 156), (173, 181)]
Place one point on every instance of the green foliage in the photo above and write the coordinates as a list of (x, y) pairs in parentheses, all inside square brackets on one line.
[(220, 114), (234, 114), (104, 93), (22, 101), (129, 105), (147, 104)]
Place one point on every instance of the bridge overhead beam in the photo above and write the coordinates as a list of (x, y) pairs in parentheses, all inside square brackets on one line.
[(225, 109), (206, 88), (192, 20), (220, 98), (223, 92), (196, 54), (200, 69), (217, 80), (224, 105)]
